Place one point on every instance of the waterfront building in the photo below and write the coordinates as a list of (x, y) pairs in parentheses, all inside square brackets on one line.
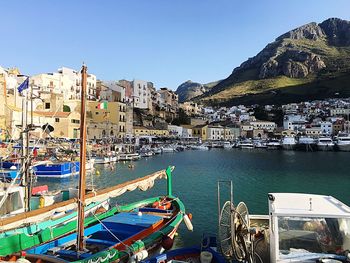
[(149, 131), (200, 131), (113, 116), (313, 131), (326, 127), (232, 132), (215, 132), (175, 131), (337, 126), (267, 126), (186, 131)]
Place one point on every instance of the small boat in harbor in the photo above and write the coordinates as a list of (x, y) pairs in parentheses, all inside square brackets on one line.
[(343, 142), (306, 143), (200, 147), (298, 228), (169, 149), (273, 144), (129, 156), (246, 144), (289, 143), (227, 145), (325, 143), (56, 169)]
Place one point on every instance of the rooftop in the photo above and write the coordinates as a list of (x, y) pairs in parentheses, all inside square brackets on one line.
[(294, 204)]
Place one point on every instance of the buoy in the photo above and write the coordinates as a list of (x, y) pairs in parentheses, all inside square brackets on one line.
[(188, 223), (41, 201), (97, 172), (167, 242), (190, 216)]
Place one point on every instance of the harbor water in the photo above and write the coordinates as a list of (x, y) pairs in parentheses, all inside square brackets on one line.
[(254, 173)]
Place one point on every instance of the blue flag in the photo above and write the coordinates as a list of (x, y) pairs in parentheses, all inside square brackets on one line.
[(24, 85)]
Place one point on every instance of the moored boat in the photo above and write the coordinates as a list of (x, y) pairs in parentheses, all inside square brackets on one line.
[(343, 142), (289, 143), (130, 231), (306, 143), (273, 144), (325, 143), (129, 157), (298, 228)]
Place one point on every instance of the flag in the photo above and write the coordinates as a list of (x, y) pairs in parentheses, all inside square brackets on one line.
[(24, 85), (102, 106)]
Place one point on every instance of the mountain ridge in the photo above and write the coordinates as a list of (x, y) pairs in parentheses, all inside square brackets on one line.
[(301, 58)]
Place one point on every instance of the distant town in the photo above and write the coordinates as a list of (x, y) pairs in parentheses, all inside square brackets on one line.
[(123, 110)]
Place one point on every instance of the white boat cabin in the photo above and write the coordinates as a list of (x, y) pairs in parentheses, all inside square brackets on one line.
[(307, 227), (14, 203)]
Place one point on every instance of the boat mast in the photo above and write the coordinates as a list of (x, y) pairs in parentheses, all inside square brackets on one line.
[(81, 193), (25, 151)]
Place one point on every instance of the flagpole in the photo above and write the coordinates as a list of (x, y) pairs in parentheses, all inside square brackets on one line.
[(81, 198)]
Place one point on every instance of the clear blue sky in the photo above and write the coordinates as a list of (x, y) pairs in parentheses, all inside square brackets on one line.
[(164, 41)]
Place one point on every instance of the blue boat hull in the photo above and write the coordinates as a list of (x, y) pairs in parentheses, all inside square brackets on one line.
[(57, 170)]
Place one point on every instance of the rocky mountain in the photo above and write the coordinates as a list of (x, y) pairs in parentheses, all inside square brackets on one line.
[(189, 89), (311, 61)]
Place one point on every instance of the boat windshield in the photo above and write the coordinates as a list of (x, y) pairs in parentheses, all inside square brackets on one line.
[(304, 235)]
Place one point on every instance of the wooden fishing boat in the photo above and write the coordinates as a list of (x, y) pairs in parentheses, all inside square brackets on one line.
[(122, 233), (39, 226)]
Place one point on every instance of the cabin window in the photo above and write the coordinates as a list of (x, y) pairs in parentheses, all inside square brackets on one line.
[(311, 234)]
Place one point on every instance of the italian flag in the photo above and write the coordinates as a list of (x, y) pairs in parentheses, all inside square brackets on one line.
[(102, 106)]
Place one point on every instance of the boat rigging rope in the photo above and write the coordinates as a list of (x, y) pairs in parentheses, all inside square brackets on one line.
[(21, 171)]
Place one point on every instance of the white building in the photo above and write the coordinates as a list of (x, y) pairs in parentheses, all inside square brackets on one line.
[(264, 125), (340, 111), (141, 94), (293, 118), (186, 133), (215, 132), (326, 127), (66, 82), (175, 131)]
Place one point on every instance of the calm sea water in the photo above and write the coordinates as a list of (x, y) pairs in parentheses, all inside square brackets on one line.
[(254, 174)]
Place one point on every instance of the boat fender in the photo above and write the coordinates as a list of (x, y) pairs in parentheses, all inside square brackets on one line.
[(167, 242), (139, 213), (139, 256), (41, 201), (206, 257), (22, 260), (188, 223)]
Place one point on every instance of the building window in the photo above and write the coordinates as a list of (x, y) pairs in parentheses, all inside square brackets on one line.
[(57, 119), (75, 121), (96, 113), (47, 105)]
